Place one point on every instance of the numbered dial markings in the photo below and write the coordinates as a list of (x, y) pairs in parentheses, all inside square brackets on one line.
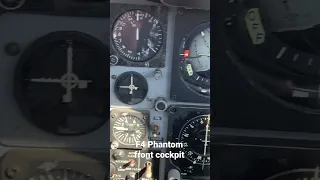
[(195, 135), (137, 35), (129, 129)]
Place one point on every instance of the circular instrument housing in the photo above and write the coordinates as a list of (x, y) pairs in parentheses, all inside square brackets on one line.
[(196, 135), (60, 83), (190, 127), (137, 35), (129, 129), (131, 88), (195, 59)]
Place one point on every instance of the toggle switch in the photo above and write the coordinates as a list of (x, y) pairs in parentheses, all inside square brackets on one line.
[(148, 173)]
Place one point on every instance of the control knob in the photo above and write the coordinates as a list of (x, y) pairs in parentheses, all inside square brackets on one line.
[(118, 154), (129, 177)]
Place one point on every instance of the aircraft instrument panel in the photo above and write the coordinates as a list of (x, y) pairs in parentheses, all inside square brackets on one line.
[(159, 92)]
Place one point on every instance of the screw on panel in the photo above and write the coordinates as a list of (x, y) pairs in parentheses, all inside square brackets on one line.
[(173, 110), (114, 145), (145, 117), (113, 116), (12, 49), (113, 77), (180, 12), (174, 97), (11, 173)]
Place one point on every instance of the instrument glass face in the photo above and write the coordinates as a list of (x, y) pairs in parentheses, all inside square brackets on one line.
[(131, 88), (129, 129), (137, 35), (200, 50), (60, 83), (195, 134)]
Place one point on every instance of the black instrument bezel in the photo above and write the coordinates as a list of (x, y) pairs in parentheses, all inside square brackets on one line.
[(160, 13)]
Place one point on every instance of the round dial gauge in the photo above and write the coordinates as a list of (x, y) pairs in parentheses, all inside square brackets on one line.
[(195, 64), (200, 50), (131, 88), (65, 174), (137, 35), (61, 78), (195, 135), (129, 129)]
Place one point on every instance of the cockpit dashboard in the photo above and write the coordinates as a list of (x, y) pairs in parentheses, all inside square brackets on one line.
[(61, 120), (160, 83)]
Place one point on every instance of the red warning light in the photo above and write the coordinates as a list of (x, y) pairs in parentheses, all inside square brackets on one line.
[(186, 53)]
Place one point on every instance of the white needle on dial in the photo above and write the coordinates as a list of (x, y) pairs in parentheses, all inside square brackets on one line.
[(69, 80), (204, 54), (206, 143), (121, 128), (202, 34), (131, 84), (137, 34), (68, 96)]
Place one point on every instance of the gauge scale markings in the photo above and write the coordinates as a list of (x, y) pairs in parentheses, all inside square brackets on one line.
[(129, 129), (195, 64), (187, 133), (137, 35)]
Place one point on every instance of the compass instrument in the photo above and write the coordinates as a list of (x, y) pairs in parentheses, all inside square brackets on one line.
[(60, 83), (137, 35), (129, 129), (131, 88)]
